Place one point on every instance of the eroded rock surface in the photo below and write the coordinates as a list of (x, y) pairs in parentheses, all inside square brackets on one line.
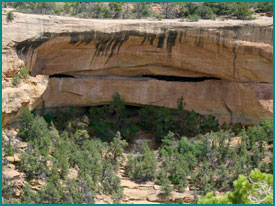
[(27, 94), (227, 66)]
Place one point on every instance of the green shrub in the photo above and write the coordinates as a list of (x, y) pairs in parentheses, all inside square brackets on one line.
[(116, 149), (193, 17), (166, 188), (257, 189), (189, 125), (163, 122), (264, 7), (34, 129), (129, 130), (80, 136), (8, 191), (117, 108), (24, 72), (111, 184), (142, 168), (145, 117), (26, 122), (50, 117), (206, 12), (64, 117), (209, 124), (242, 11), (33, 165), (15, 80), (181, 103), (10, 16), (159, 17), (9, 151)]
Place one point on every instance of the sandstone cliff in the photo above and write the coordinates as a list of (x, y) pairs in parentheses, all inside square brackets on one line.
[(220, 68)]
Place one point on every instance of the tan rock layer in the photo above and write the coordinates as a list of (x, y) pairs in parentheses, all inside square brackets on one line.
[(228, 101), (184, 52), (238, 52)]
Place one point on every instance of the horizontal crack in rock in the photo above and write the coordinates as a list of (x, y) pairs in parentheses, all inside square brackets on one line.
[(140, 77)]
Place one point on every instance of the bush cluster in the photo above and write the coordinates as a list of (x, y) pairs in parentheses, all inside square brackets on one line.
[(208, 162), (216, 160), (256, 189), (15, 80), (108, 119), (142, 167), (51, 154), (10, 16)]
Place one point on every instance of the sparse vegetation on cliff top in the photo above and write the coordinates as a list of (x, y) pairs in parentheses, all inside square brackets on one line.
[(164, 10)]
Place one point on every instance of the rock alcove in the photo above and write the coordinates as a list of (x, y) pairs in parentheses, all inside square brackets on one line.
[(223, 69)]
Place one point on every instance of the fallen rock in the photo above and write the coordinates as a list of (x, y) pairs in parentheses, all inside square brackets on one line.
[(128, 184), (157, 187), (12, 166), (17, 193), (22, 145), (72, 173), (35, 188), (16, 158), (10, 173), (10, 158), (189, 199)]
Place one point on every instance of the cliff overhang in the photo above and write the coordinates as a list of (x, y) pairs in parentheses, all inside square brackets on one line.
[(223, 68)]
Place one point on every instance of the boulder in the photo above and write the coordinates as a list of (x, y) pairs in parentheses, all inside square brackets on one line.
[(128, 184), (10, 173)]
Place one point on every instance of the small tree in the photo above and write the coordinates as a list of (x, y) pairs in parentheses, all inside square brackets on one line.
[(242, 11), (116, 149), (117, 107), (256, 189), (142, 167), (166, 188)]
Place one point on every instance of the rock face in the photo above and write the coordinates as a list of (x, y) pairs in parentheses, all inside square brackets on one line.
[(26, 94), (220, 68)]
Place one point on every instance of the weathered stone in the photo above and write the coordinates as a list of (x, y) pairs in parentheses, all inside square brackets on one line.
[(12, 166), (35, 188), (26, 94), (189, 199), (16, 158), (10, 158), (157, 187), (228, 101), (103, 199), (22, 145), (128, 184), (156, 198), (72, 173), (10, 173), (5, 138), (17, 193)]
